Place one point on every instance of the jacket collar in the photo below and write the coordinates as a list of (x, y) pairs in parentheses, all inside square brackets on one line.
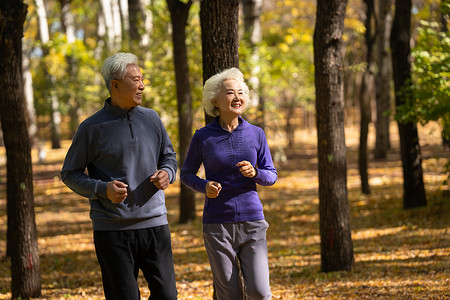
[(215, 125), (118, 111)]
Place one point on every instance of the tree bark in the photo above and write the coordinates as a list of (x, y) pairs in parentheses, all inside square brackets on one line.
[(67, 21), (55, 116), (413, 185), (336, 241), (22, 234), (444, 16), (365, 99), (112, 22), (179, 13), (383, 79), (136, 20), (220, 39), (29, 99)]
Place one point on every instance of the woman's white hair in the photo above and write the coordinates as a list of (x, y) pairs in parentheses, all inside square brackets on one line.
[(212, 86), (115, 67)]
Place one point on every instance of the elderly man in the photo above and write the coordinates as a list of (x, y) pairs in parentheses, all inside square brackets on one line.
[(130, 160)]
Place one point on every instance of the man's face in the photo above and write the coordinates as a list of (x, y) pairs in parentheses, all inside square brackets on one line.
[(127, 92)]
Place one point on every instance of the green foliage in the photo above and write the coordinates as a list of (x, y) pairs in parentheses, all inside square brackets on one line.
[(430, 94), (285, 56)]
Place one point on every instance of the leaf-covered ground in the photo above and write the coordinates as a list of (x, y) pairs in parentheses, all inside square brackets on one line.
[(399, 254)]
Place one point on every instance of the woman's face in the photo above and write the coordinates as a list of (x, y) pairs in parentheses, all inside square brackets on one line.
[(230, 101)]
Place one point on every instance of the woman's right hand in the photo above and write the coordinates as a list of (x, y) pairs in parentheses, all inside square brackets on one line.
[(213, 189)]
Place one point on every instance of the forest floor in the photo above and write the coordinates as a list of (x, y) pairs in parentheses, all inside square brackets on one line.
[(399, 254)]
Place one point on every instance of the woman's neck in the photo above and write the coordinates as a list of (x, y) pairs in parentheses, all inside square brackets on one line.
[(229, 124)]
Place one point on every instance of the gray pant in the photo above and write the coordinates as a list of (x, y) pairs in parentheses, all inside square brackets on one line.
[(231, 246)]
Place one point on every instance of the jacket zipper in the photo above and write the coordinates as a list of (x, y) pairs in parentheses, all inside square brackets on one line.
[(129, 124)]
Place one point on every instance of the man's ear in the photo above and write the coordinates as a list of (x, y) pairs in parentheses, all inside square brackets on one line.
[(115, 84)]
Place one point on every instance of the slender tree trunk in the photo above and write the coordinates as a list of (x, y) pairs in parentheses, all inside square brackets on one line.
[(220, 39), (365, 99), (289, 103), (444, 28), (29, 99), (112, 22), (22, 235), (383, 79), (413, 185), (365, 107), (148, 26), (134, 12), (125, 18), (55, 116), (336, 241), (67, 21), (2, 144), (136, 22), (179, 13)]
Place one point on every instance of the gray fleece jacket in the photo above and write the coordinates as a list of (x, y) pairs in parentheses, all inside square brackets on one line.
[(129, 146)]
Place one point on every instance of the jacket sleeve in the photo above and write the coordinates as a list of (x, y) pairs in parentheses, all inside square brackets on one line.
[(73, 171), (267, 174), (191, 165), (168, 157)]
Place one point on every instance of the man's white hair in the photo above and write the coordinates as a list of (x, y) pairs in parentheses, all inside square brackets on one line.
[(115, 67), (212, 86)]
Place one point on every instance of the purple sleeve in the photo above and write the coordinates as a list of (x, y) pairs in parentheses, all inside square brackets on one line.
[(188, 174), (267, 174)]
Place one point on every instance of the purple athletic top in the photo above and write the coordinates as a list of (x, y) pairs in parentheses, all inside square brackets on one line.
[(220, 151)]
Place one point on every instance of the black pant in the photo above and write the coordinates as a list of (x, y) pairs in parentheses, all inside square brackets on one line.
[(122, 253)]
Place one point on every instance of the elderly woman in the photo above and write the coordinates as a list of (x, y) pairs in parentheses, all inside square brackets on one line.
[(236, 157)]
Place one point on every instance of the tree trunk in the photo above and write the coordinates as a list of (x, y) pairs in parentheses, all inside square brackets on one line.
[(179, 13), (365, 99), (364, 133), (444, 28), (55, 116), (413, 185), (22, 235), (29, 99), (148, 27), (219, 22), (220, 39), (289, 103), (112, 22), (336, 241), (67, 21), (383, 79), (136, 21), (125, 18), (253, 35)]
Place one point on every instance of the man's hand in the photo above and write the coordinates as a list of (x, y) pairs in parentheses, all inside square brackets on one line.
[(160, 179), (116, 191), (213, 189), (246, 169)]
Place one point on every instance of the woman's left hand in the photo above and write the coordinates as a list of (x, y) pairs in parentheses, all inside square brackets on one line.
[(246, 169)]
